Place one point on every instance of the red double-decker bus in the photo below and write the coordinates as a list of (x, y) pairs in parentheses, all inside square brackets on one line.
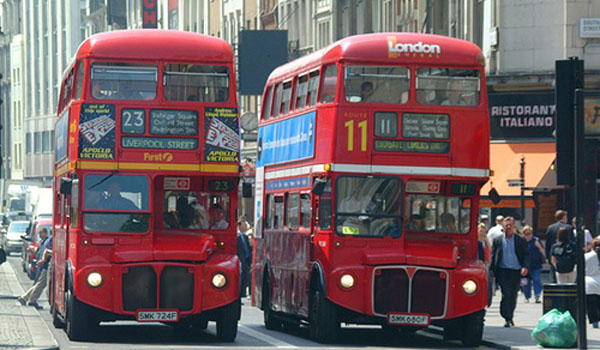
[(146, 179), (371, 154)]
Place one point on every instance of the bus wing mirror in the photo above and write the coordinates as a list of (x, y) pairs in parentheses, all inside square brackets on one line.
[(319, 186), (494, 196), (65, 186)]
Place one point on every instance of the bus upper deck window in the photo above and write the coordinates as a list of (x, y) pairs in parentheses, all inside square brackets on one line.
[(123, 81), (448, 87), (329, 84), (192, 82), (377, 84)]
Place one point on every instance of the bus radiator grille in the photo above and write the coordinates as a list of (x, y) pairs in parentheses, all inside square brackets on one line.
[(176, 288), (427, 291), (139, 288), (391, 291)]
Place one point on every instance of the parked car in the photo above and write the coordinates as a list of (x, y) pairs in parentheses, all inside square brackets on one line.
[(31, 242), (12, 241)]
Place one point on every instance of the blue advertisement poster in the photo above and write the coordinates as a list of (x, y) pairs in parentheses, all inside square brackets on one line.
[(97, 131), (287, 140)]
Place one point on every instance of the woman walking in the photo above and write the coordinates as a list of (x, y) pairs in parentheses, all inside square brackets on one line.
[(538, 257)]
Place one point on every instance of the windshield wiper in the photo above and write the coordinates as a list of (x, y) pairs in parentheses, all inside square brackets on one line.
[(103, 179)]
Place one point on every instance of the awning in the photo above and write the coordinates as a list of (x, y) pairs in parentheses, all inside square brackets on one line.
[(505, 162)]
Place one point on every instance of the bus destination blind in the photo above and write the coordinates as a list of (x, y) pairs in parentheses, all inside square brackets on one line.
[(173, 122), (426, 126)]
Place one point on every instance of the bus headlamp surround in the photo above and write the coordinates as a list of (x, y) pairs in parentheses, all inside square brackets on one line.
[(94, 279), (469, 286), (219, 280), (347, 281)]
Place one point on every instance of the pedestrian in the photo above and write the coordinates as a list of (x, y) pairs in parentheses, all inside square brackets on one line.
[(587, 235), (44, 255), (564, 255), (484, 251), (243, 252), (496, 230), (561, 221), (537, 258), (592, 282), (510, 261)]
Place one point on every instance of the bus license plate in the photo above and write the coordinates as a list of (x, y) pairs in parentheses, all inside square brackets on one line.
[(157, 316), (414, 320)]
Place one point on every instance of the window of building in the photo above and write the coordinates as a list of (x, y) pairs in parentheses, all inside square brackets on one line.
[(37, 142), (28, 143), (46, 142)]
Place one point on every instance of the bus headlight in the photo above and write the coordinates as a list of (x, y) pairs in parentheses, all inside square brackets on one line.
[(469, 286), (219, 280), (94, 279), (347, 281)]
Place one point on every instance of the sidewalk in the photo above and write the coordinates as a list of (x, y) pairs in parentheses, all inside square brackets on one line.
[(526, 319), (20, 327)]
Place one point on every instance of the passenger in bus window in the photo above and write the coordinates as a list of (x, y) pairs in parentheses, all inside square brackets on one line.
[(128, 91), (218, 218), (115, 200), (366, 91), (453, 94), (99, 89), (416, 223), (448, 223)]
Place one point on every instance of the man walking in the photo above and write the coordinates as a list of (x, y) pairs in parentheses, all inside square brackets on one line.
[(43, 258), (561, 221), (510, 258)]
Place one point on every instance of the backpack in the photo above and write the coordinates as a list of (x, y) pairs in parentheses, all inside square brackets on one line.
[(565, 257)]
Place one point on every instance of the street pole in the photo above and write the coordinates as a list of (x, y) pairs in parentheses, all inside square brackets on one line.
[(579, 207), (522, 177)]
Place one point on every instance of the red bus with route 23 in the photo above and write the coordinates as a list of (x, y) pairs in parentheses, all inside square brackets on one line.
[(371, 155), (146, 179)]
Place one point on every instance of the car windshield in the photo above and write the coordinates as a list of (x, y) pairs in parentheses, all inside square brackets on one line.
[(18, 227), (428, 213), (368, 206)]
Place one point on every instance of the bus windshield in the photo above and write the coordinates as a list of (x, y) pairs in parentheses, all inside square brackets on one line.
[(196, 210), (368, 206), (190, 82), (427, 213), (105, 195), (448, 87), (377, 84), (120, 81)]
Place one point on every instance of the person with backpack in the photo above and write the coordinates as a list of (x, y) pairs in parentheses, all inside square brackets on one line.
[(563, 256)]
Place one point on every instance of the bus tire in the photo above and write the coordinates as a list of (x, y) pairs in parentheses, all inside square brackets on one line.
[(324, 325), (227, 324), (76, 318), (472, 329), (271, 321)]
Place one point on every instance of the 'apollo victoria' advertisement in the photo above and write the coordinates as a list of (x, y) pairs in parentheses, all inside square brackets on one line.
[(222, 135), (97, 131)]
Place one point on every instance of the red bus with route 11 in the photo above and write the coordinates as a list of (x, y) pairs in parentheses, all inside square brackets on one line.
[(146, 183), (371, 155)]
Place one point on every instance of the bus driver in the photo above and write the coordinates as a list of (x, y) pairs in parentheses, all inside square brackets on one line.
[(115, 200)]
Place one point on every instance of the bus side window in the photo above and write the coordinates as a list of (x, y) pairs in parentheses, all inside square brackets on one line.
[(324, 216), (74, 203), (279, 212), (79, 81), (305, 210), (301, 92), (287, 98), (329, 84), (292, 210), (269, 212), (313, 88), (278, 99), (266, 111)]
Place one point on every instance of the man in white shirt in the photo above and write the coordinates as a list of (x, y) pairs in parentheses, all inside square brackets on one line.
[(497, 230)]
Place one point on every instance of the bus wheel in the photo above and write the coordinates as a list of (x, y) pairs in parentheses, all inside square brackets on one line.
[(324, 325), (227, 323), (77, 318), (271, 321), (472, 329)]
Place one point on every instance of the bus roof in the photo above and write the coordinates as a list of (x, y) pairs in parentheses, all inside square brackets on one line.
[(389, 48), (142, 44)]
